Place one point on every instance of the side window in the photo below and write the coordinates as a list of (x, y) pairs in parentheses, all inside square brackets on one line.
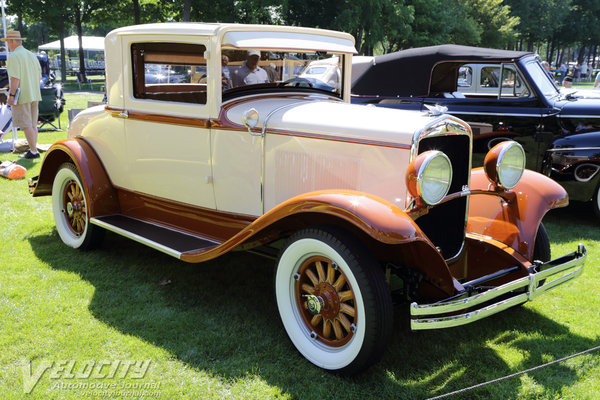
[(465, 77), (489, 77), (169, 72)]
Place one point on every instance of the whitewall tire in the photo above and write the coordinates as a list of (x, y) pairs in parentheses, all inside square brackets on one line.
[(333, 300), (70, 209)]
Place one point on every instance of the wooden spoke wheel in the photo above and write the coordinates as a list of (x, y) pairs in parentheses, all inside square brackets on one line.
[(74, 207), (333, 300), (70, 208), (326, 301)]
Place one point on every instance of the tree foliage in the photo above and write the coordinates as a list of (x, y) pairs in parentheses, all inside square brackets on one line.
[(378, 25)]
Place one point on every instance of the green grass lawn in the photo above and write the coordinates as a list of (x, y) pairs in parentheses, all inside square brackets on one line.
[(212, 330)]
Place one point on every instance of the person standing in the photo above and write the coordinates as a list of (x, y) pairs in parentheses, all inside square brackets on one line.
[(24, 74)]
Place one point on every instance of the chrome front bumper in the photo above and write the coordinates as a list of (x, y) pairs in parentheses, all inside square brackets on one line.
[(436, 316)]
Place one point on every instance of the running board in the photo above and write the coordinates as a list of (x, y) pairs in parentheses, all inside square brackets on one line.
[(169, 241)]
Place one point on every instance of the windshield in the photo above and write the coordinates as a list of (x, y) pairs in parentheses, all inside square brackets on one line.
[(254, 69), (546, 86)]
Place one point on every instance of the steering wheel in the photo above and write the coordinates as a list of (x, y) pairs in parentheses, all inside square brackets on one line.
[(297, 82)]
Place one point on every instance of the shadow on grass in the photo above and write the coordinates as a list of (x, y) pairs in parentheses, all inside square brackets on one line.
[(577, 221), (220, 316)]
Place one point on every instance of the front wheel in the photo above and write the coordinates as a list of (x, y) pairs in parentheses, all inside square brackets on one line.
[(70, 208), (541, 249), (333, 300)]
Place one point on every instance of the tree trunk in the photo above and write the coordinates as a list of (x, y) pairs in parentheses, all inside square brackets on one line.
[(581, 55), (81, 75), (63, 53), (136, 12), (594, 56), (187, 6)]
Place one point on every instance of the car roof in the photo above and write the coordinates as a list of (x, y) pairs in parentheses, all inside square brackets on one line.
[(247, 36), (409, 72)]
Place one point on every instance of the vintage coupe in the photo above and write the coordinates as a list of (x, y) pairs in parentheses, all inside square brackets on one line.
[(501, 95), (362, 203)]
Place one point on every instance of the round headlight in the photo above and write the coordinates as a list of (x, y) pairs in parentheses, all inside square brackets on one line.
[(429, 176), (505, 163)]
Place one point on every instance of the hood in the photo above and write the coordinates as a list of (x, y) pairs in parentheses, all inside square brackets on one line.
[(334, 119), (588, 107)]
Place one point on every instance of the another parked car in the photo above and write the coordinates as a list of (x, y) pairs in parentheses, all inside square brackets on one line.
[(360, 203), (501, 95)]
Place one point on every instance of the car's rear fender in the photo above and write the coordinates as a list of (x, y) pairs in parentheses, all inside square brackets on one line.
[(98, 189), (514, 223)]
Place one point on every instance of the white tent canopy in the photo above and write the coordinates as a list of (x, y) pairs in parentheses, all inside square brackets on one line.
[(72, 43)]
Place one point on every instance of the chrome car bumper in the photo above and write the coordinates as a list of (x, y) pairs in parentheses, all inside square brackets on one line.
[(436, 315)]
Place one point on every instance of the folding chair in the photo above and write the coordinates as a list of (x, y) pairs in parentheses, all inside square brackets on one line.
[(49, 108)]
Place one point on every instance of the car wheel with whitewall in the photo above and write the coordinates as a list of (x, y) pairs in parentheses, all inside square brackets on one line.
[(333, 300), (70, 208)]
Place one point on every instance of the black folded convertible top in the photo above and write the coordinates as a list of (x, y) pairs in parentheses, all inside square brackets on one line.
[(408, 73)]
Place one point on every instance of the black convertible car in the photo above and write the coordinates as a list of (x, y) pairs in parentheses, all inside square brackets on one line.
[(502, 95)]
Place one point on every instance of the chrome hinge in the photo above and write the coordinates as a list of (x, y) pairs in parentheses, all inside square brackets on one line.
[(123, 114)]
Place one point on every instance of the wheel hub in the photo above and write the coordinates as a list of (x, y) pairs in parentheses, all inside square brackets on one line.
[(329, 299), (314, 303), (70, 209)]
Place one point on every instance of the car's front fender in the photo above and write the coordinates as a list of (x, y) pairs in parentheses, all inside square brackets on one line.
[(514, 223), (378, 222), (574, 162)]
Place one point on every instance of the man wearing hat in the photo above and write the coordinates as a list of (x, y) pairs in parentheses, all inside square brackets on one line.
[(24, 72), (250, 73)]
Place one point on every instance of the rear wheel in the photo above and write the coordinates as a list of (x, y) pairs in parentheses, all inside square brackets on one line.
[(70, 208), (333, 300)]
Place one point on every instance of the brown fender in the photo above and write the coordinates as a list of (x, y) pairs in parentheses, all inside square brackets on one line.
[(98, 189), (514, 223), (380, 220)]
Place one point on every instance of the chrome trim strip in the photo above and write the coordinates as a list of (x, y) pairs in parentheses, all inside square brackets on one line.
[(137, 238), (579, 116), (574, 261), (575, 148), (456, 112)]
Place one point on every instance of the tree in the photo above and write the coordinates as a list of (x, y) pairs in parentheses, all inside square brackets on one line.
[(496, 25)]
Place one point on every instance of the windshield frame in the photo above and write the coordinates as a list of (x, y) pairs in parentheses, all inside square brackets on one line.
[(289, 64), (544, 84)]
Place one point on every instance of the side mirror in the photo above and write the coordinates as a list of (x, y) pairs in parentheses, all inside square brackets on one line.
[(250, 120)]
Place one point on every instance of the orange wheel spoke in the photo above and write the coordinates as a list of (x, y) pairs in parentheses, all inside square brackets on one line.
[(320, 271), (313, 278), (339, 283), (346, 309), (315, 320), (330, 274), (307, 288), (344, 321), (337, 329), (326, 328), (345, 295)]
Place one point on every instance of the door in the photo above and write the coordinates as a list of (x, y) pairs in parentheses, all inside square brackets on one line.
[(167, 123)]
